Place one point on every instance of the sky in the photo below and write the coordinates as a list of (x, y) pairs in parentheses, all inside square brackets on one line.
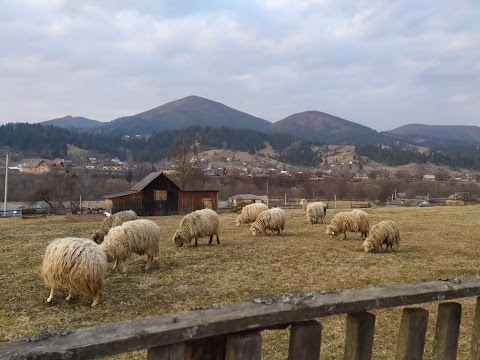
[(379, 63)]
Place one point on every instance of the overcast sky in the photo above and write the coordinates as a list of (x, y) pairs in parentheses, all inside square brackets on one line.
[(382, 64)]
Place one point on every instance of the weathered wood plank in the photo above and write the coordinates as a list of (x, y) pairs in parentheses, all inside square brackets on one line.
[(244, 346), (447, 331), (475, 343), (305, 340), (359, 336), (411, 337), (130, 335), (167, 352), (211, 348)]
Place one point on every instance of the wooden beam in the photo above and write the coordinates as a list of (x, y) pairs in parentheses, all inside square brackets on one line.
[(411, 337), (144, 333), (167, 352), (244, 346), (211, 348), (359, 336), (447, 331), (475, 343), (305, 340)]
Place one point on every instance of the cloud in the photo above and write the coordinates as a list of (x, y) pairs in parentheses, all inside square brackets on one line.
[(370, 62)]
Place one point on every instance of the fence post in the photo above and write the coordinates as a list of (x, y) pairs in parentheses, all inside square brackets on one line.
[(211, 348), (305, 340), (447, 331), (168, 352), (475, 343), (244, 346), (359, 336), (411, 336)]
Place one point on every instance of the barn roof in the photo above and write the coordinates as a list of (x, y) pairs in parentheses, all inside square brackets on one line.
[(123, 193), (148, 179)]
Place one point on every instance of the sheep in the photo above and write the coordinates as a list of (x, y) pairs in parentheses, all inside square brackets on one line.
[(111, 221), (197, 224), (140, 237), (315, 211), (385, 232), (354, 221), (249, 213), (76, 264), (272, 219)]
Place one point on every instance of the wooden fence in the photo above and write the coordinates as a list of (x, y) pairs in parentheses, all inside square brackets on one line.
[(233, 332)]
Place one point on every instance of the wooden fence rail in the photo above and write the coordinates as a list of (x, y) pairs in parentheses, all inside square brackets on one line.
[(233, 331)]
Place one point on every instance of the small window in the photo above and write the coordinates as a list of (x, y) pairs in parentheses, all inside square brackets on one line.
[(159, 195)]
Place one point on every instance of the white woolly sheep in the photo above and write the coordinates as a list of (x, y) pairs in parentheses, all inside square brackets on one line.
[(354, 221), (272, 219), (249, 213), (197, 224), (112, 221), (385, 232), (140, 237), (315, 211), (76, 264)]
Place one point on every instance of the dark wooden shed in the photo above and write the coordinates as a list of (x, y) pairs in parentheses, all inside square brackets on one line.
[(157, 195)]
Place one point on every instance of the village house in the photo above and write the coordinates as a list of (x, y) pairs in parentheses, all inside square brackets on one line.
[(35, 167)]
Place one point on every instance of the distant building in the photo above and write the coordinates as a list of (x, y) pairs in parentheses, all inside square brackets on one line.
[(429, 177), (35, 167)]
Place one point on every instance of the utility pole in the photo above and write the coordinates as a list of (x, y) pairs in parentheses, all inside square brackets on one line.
[(6, 187)]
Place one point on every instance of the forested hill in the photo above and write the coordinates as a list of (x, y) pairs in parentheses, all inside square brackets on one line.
[(35, 140)]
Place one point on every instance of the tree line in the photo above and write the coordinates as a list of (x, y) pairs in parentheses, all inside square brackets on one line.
[(36, 140)]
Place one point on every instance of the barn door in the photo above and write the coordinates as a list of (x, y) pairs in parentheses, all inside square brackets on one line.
[(208, 203)]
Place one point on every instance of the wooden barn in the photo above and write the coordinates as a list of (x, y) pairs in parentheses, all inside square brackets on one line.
[(157, 194)]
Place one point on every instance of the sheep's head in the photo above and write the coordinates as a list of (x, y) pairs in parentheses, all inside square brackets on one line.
[(237, 221), (98, 236), (303, 202), (255, 230), (331, 231), (368, 246), (179, 238)]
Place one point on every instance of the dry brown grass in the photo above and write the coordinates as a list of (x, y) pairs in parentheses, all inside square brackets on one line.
[(436, 242)]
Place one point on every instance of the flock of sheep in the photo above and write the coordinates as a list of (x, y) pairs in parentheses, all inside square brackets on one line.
[(80, 264)]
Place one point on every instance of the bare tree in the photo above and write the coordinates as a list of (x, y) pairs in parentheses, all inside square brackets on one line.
[(184, 153)]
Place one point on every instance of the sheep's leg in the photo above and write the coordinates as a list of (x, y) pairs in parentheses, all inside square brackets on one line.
[(218, 241), (344, 235), (70, 294), (196, 242), (149, 262), (115, 265), (211, 239), (50, 298), (97, 296)]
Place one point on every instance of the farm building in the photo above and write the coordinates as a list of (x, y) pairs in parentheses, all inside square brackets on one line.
[(156, 194)]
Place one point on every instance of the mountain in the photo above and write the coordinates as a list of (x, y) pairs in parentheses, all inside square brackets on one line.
[(186, 112), (319, 126), (70, 122), (446, 132)]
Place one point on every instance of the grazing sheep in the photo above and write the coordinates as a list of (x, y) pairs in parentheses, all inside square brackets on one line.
[(354, 221), (197, 224), (272, 219), (76, 264), (249, 213), (315, 211), (111, 221), (385, 232), (132, 237)]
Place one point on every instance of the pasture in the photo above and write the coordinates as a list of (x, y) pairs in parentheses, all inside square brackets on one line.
[(437, 242)]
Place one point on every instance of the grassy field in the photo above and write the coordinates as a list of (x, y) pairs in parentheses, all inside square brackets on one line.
[(436, 242)]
